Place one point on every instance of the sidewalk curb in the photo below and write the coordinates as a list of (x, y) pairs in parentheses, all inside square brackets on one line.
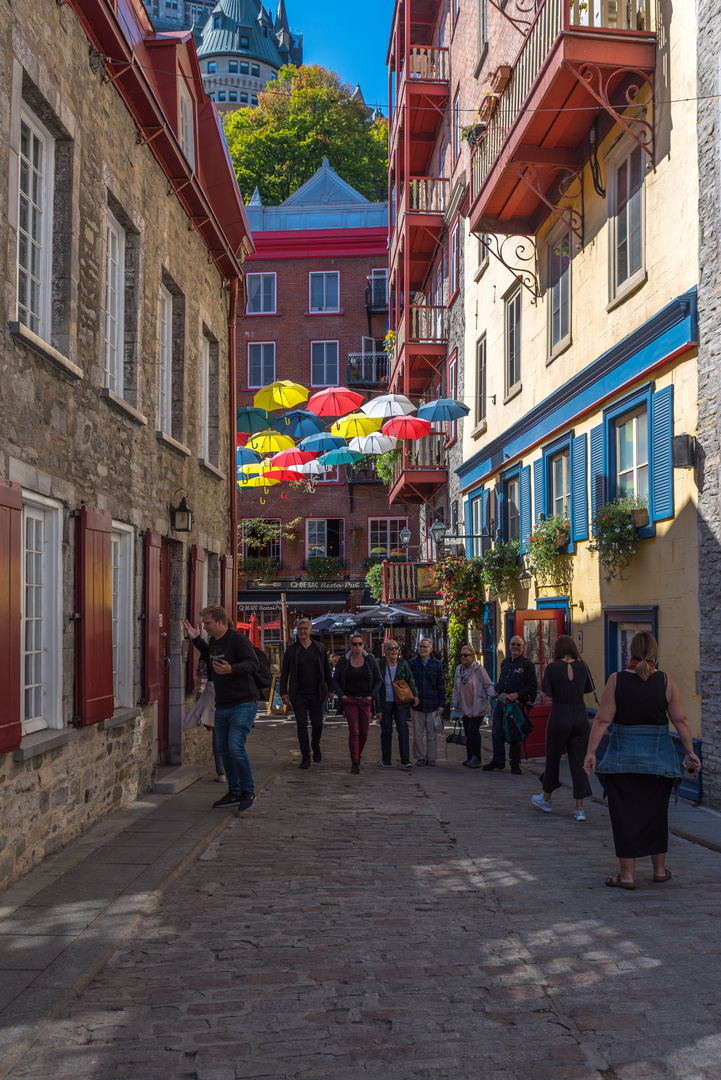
[(50, 1002)]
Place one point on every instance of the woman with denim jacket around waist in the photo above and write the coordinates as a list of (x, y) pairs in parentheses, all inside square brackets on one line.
[(640, 766)]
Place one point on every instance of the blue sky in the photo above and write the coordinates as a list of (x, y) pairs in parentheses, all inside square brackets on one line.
[(349, 38)]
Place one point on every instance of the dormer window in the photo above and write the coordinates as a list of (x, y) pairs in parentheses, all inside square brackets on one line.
[(186, 126), (211, 67), (245, 43), (216, 22)]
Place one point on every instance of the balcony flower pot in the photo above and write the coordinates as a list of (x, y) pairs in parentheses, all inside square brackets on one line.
[(563, 538), (475, 133), (640, 517)]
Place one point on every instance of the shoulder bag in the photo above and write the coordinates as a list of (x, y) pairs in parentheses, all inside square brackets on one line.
[(402, 693)]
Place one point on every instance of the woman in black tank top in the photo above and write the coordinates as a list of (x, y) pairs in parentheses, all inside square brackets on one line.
[(640, 765)]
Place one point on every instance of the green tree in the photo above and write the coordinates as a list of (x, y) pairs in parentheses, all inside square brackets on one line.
[(304, 115)]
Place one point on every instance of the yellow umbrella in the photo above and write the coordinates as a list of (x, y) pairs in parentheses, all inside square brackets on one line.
[(281, 394), (269, 442), (256, 482), (356, 424), (254, 468)]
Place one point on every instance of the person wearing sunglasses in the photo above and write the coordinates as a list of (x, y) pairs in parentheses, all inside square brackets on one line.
[(357, 680), (472, 688), (394, 670), (517, 681)]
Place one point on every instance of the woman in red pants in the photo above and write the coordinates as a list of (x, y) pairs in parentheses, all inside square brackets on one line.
[(357, 680)]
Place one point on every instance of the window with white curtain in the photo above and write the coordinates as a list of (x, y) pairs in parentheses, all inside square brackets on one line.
[(40, 614), (114, 304), (35, 224)]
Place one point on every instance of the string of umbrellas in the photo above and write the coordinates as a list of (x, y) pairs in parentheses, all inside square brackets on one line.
[(295, 447)]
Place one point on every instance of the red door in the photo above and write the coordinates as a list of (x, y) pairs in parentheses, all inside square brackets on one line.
[(164, 626), (539, 630)]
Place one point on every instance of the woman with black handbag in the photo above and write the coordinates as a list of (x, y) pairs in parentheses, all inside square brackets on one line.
[(397, 693)]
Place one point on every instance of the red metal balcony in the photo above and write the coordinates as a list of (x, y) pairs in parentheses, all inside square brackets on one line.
[(421, 101), (421, 345), (568, 73), (419, 223), (420, 470)]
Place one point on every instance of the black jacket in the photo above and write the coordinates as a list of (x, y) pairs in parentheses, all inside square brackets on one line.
[(518, 677), (289, 670), (341, 670), (239, 686)]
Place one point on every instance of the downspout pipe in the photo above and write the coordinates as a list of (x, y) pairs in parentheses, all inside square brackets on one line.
[(235, 292)]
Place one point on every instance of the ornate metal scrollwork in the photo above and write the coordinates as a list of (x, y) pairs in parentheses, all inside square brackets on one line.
[(525, 251), (598, 83), (523, 7), (568, 187)]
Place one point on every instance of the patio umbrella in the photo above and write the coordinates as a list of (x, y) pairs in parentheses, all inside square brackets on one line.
[(356, 424), (373, 444), (281, 394), (388, 405), (249, 419), (406, 427), (244, 456), (298, 423), (269, 442), (288, 459), (321, 443), (392, 615), (340, 457), (254, 632), (443, 409), (336, 401)]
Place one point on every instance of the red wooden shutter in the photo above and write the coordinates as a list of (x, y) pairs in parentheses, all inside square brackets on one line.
[(11, 507), (229, 598), (153, 658), (94, 627), (197, 562)]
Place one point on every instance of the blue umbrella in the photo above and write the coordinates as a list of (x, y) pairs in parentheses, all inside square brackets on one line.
[(321, 442), (340, 457), (298, 423), (443, 409), (243, 456)]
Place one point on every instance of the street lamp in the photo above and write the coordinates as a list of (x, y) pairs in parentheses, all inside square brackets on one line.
[(525, 577), (181, 517), (438, 532), (405, 536)]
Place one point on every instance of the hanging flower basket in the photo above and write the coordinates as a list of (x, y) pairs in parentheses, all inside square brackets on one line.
[(563, 537), (500, 566), (545, 559), (615, 535)]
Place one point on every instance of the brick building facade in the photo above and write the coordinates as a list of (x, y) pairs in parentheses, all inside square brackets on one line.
[(121, 282), (317, 314)]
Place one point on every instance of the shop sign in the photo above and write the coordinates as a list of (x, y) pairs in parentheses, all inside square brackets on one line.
[(293, 586), (425, 586)]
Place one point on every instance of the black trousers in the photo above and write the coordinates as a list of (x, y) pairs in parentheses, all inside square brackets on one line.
[(472, 730), (305, 707), (568, 728)]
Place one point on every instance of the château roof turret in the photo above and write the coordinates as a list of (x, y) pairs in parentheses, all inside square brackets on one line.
[(231, 20)]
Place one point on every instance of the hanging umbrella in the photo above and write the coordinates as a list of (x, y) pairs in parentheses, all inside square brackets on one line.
[(243, 456), (392, 615), (406, 427), (254, 632), (355, 424), (281, 394), (373, 444), (289, 459), (298, 423), (283, 474), (340, 457), (256, 482), (313, 468), (252, 471), (249, 420), (443, 409), (270, 442), (336, 401), (241, 438), (321, 443), (388, 405)]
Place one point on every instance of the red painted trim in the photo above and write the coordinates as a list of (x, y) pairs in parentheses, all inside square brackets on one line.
[(94, 699), (233, 317), (153, 654), (262, 273), (320, 244)]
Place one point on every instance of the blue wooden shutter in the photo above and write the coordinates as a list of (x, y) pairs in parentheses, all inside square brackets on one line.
[(598, 480), (661, 467), (485, 519), (524, 487), (579, 498), (468, 522), (498, 509), (539, 501)]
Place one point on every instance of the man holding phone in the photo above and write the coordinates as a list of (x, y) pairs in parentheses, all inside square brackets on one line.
[(234, 664)]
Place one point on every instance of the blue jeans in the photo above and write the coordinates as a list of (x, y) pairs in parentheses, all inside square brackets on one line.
[(399, 713), (232, 725)]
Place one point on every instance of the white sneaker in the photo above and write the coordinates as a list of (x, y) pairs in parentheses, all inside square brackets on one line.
[(580, 814), (541, 804)]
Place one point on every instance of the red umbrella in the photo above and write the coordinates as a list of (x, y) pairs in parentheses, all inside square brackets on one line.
[(283, 474), (254, 632), (406, 427), (290, 458), (241, 438), (336, 401)]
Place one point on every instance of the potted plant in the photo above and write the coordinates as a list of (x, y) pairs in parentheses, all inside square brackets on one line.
[(262, 565), (615, 536), (639, 510), (548, 539), (322, 567), (374, 581), (500, 566), (386, 466)]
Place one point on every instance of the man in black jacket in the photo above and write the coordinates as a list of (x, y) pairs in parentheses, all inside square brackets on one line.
[(516, 682), (305, 683), (234, 664)]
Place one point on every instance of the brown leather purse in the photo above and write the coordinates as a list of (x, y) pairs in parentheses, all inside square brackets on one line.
[(402, 693)]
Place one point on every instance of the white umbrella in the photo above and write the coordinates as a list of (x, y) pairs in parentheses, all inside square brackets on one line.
[(374, 443), (312, 468), (388, 405)]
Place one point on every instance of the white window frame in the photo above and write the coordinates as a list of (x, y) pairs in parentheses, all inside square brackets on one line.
[(555, 290), (379, 274), (563, 455), (121, 539), (262, 345), (39, 321), (619, 423), (186, 123), (336, 381), (205, 398), (615, 161), (263, 310), (513, 520), (35, 505), (481, 379), (323, 554), (165, 365), (401, 523), (454, 261), (512, 303), (113, 377), (476, 525), (325, 274)]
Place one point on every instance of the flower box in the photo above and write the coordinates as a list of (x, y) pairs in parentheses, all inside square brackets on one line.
[(563, 538), (640, 517)]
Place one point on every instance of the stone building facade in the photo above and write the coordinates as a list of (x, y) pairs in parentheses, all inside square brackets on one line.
[(121, 282)]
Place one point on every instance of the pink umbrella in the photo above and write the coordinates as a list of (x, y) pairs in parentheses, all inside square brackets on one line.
[(406, 427), (336, 401), (291, 458)]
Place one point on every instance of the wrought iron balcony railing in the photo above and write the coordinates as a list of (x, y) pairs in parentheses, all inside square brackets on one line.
[(368, 369)]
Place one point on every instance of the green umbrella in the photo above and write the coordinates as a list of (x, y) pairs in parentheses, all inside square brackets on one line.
[(250, 419)]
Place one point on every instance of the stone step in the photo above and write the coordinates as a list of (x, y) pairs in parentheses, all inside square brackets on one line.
[(174, 778)]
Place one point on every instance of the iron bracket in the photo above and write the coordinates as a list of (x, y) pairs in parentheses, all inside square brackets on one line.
[(528, 278), (568, 215), (590, 76)]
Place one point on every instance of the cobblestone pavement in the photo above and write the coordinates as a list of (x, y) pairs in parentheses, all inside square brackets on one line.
[(392, 927)]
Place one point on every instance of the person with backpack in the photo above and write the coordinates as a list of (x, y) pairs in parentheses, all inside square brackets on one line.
[(517, 682), (236, 667), (305, 683)]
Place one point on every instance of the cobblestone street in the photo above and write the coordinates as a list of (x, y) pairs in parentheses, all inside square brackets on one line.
[(398, 926)]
